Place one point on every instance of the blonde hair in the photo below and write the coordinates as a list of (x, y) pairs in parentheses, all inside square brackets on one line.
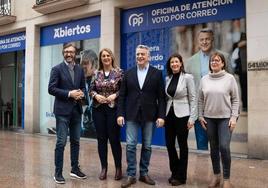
[(112, 56)]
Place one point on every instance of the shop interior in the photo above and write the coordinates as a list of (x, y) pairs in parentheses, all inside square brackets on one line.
[(12, 90)]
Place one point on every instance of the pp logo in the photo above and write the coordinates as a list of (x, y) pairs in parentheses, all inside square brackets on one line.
[(135, 19)]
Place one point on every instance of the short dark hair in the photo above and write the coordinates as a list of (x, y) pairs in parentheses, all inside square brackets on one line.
[(207, 30), (67, 45), (169, 70), (215, 54)]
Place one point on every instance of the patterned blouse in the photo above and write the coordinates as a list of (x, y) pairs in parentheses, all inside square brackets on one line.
[(106, 85)]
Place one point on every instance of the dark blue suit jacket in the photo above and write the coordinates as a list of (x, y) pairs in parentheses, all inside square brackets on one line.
[(150, 99), (61, 83)]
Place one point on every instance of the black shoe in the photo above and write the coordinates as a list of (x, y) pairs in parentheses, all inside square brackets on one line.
[(147, 179), (118, 174), (130, 180), (103, 174), (175, 182), (58, 178), (76, 173), (170, 179)]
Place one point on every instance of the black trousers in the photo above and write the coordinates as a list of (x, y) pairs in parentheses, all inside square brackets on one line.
[(104, 119), (177, 128)]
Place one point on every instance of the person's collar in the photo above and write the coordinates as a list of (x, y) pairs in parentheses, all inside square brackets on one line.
[(143, 68), (176, 73), (206, 54), (68, 63), (203, 54), (217, 74)]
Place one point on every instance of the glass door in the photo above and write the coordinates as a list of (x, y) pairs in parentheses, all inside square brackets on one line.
[(12, 90)]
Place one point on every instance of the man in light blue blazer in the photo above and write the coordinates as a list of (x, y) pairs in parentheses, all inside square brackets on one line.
[(198, 66)]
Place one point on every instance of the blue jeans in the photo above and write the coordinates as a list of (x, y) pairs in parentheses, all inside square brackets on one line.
[(64, 124), (201, 136), (147, 130), (219, 136)]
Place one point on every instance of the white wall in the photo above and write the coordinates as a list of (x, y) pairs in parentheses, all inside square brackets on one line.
[(257, 37)]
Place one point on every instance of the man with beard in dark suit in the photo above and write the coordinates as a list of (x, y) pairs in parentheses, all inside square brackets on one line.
[(67, 84)]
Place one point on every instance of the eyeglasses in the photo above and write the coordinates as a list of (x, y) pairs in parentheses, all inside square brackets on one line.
[(215, 60), (69, 52)]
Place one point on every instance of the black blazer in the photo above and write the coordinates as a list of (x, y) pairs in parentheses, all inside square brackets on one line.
[(150, 99), (60, 83)]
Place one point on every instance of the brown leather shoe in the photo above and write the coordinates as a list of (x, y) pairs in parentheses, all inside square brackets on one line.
[(118, 174), (147, 179), (130, 180), (103, 174)]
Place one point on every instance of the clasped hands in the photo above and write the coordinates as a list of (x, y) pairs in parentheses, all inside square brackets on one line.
[(77, 94), (102, 99)]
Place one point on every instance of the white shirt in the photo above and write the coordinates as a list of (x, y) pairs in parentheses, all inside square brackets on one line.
[(141, 73)]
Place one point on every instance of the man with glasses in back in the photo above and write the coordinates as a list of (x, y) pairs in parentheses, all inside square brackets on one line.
[(67, 84), (198, 66), (141, 104)]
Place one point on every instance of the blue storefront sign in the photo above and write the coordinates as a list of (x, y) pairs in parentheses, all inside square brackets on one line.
[(12, 42), (71, 31), (183, 12), (159, 26)]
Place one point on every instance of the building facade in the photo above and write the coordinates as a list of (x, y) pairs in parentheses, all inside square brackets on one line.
[(31, 40)]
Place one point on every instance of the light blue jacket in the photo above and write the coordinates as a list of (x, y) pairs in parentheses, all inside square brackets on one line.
[(193, 66)]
